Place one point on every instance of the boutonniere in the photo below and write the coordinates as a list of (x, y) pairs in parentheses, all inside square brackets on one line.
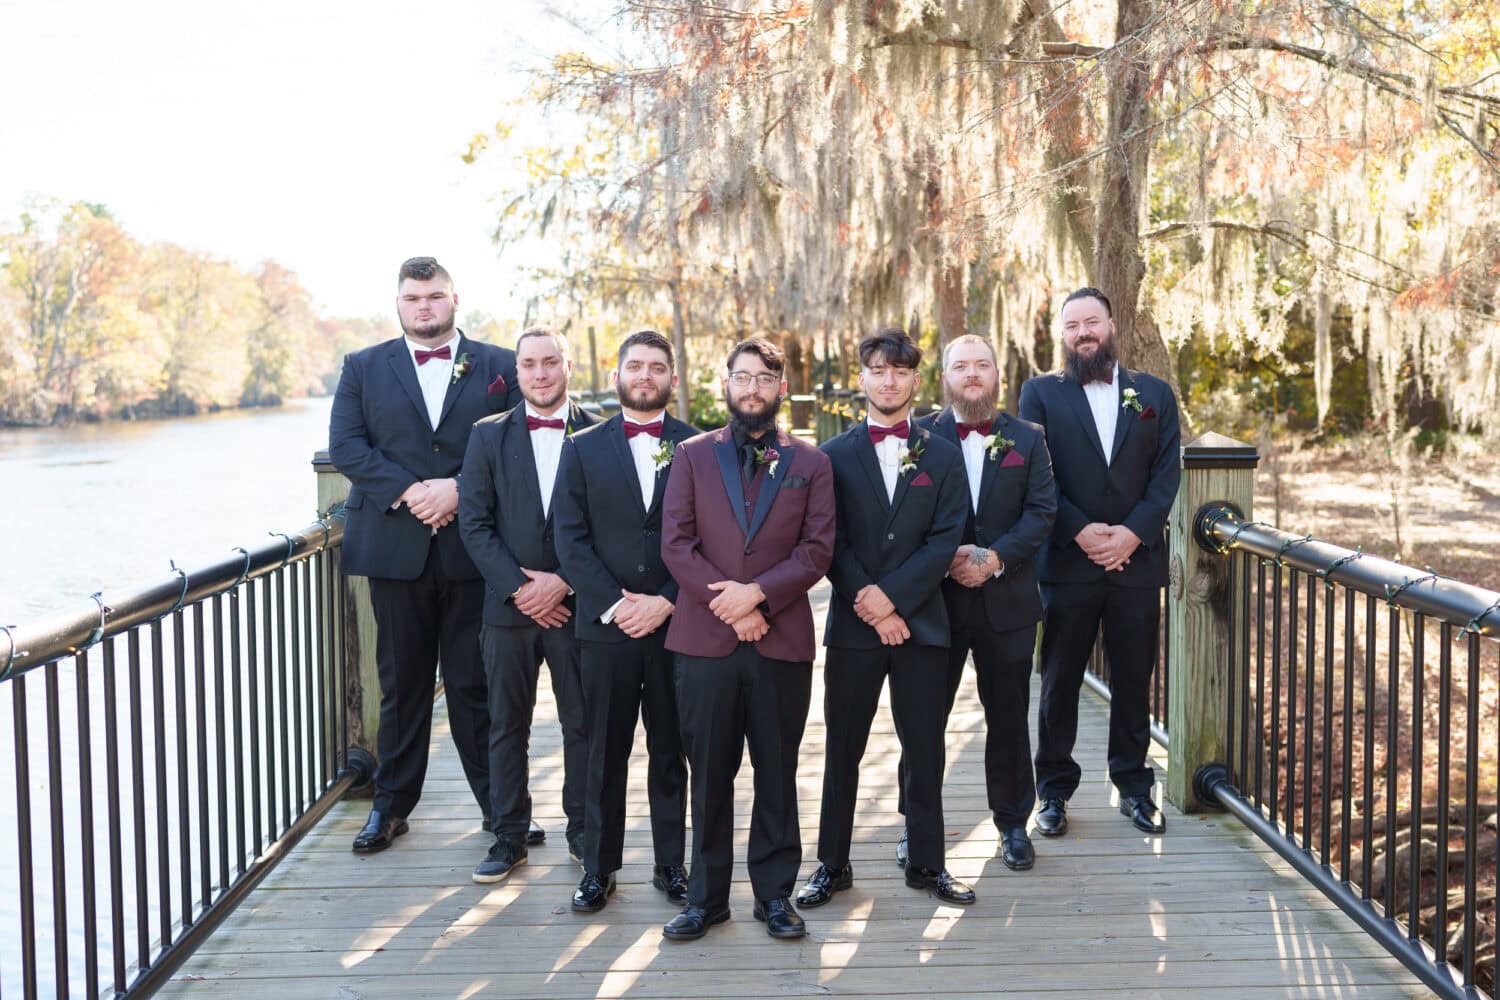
[(997, 445), (770, 458), (662, 456), (462, 365), (1132, 400), (910, 455)]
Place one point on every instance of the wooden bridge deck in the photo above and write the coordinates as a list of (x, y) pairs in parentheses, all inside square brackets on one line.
[(1205, 909)]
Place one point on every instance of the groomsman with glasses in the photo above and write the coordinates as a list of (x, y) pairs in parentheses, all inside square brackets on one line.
[(607, 525)]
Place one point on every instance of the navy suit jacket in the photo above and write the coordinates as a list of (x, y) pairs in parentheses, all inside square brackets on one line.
[(500, 509), (903, 545), (1136, 488), (606, 539), (1017, 506), (380, 437)]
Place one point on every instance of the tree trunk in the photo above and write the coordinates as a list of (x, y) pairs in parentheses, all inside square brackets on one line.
[(679, 342)]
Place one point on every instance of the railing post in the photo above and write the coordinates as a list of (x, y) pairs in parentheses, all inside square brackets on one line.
[(1215, 470), (361, 677)]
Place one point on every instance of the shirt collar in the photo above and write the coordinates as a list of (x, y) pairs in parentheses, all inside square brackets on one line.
[(412, 346), (660, 415), (562, 412)]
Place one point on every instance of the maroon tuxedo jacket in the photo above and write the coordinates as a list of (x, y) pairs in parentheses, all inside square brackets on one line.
[(785, 544)]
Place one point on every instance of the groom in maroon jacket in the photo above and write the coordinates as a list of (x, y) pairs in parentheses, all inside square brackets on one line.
[(747, 530)]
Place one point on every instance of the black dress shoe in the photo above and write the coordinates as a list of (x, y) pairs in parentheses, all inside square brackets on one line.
[(940, 884), (780, 917), (379, 830), (535, 834), (1143, 813), (505, 856), (672, 880), (1052, 820), (593, 892), (823, 884), (903, 850), (692, 923), (1016, 850)]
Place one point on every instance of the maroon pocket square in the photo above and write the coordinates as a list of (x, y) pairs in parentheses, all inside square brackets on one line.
[(1149, 413), (1012, 458), (497, 387), (922, 480)]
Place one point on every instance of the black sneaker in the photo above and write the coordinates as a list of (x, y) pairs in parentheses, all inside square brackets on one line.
[(504, 857)]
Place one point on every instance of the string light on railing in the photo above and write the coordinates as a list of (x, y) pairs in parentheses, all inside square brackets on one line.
[(10, 658)]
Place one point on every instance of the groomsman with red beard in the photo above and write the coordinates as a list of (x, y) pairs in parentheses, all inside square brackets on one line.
[(1114, 439), (607, 513)]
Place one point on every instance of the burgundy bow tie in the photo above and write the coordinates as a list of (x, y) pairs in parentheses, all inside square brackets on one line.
[(879, 434), (537, 423), (653, 428), (1107, 379), (964, 430), (425, 356)]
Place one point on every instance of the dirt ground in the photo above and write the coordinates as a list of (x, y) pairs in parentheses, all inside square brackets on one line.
[(1443, 506)]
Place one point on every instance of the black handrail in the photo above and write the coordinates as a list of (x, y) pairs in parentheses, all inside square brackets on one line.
[(1325, 728), (251, 647)]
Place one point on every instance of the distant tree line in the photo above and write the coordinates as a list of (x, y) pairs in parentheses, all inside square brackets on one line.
[(95, 324)]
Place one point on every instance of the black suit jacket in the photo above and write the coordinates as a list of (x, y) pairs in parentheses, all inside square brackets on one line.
[(606, 540), (1136, 488), (500, 509), (903, 545), (379, 436), (1017, 506)]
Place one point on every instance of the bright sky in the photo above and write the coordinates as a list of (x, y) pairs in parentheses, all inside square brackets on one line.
[(324, 134)]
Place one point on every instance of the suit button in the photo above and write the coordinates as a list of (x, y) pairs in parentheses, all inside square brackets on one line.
[(436, 449), (641, 568), (891, 537)]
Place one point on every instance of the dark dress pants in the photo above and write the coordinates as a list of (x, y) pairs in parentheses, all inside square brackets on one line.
[(512, 661), (852, 679), (1002, 671), (623, 680), (1130, 617), (725, 702), (420, 625)]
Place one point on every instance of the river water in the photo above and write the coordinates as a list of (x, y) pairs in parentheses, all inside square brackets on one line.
[(106, 508)]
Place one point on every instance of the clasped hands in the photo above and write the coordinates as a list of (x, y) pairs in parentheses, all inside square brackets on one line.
[(540, 598), (433, 501), (879, 612), (1109, 545), (973, 565), (639, 615), (738, 606)]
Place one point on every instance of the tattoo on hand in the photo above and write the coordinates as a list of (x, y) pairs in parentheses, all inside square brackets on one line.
[(979, 557)]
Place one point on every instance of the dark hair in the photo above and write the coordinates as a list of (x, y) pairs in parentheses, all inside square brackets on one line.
[(544, 331), (894, 345), (761, 348), (422, 269), (1090, 293), (645, 338)]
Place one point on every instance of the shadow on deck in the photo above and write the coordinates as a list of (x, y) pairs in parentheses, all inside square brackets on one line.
[(1204, 909)]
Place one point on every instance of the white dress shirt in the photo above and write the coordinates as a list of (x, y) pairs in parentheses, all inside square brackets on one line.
[(643, 448), (888, 453), (546, 448), (434, 376), (1104, 400), (974, 457)]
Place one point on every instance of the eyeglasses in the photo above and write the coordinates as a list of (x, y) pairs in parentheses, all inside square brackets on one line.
[(765, 379)]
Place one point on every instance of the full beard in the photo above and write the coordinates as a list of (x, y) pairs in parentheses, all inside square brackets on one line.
[(752, 424), (977, 410), (645, 401), (430, 331), (1098, 367)]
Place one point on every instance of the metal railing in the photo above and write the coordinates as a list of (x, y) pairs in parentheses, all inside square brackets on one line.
[(191, 731), (1096, 675), (1373, 773)]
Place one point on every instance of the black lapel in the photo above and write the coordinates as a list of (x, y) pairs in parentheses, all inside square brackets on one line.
[(1123, 417), (405, 370), (621, 448), (523, 459), (771, 485), (729, 469), (991, 465), (903, 479), (674, 432), (457, 386), (1080, 403), (864, 452)]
